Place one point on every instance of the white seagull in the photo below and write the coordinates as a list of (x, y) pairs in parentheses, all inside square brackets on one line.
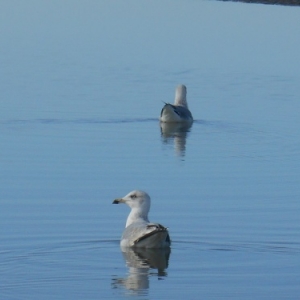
[(139, 232), (179, 111)]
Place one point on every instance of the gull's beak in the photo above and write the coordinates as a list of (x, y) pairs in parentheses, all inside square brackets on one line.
[(118, 200)]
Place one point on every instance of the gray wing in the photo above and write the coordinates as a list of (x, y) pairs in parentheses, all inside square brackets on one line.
[(148, 235), (182, 112), (134, 231)]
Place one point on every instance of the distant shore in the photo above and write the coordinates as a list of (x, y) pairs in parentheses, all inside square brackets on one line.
[(273, 2)]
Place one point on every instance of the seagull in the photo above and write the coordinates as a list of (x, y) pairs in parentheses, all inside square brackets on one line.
[(139, 232), (179, 111)]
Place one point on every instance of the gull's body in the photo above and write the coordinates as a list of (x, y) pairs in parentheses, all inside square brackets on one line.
[(139, 232), (179, 111)]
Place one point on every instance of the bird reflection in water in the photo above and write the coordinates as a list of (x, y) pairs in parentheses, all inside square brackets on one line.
[(177, 132), (142, 263)]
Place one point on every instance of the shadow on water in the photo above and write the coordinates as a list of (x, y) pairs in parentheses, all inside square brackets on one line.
[(141, 264), (49, 121), (177, 133), (167, 129), (271, 2), (288, 248)]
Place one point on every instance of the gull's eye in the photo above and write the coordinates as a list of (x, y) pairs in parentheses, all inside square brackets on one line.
[(133, 196)]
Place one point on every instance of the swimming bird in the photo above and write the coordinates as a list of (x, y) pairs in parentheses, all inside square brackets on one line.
[(139, 232), (179, 111)]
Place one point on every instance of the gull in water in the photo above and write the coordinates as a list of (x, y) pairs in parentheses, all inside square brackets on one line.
[(139, 232), (179, 111)]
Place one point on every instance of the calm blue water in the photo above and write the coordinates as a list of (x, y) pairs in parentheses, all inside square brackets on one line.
[(82, 86)]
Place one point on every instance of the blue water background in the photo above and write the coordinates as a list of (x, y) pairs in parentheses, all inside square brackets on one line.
[(82, 86)]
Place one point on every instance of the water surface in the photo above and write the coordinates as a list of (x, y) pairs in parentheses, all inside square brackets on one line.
[(82, 89)]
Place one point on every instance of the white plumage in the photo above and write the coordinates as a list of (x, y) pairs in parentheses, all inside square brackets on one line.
[(139, 232), (179, 111)]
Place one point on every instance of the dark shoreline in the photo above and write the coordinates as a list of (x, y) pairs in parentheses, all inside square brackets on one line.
[(270, 2)]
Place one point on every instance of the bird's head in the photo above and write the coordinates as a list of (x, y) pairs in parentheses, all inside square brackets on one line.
[(135, 199)]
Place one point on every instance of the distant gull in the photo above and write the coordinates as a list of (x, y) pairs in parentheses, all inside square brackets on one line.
[(179, 112), (139, 232)]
